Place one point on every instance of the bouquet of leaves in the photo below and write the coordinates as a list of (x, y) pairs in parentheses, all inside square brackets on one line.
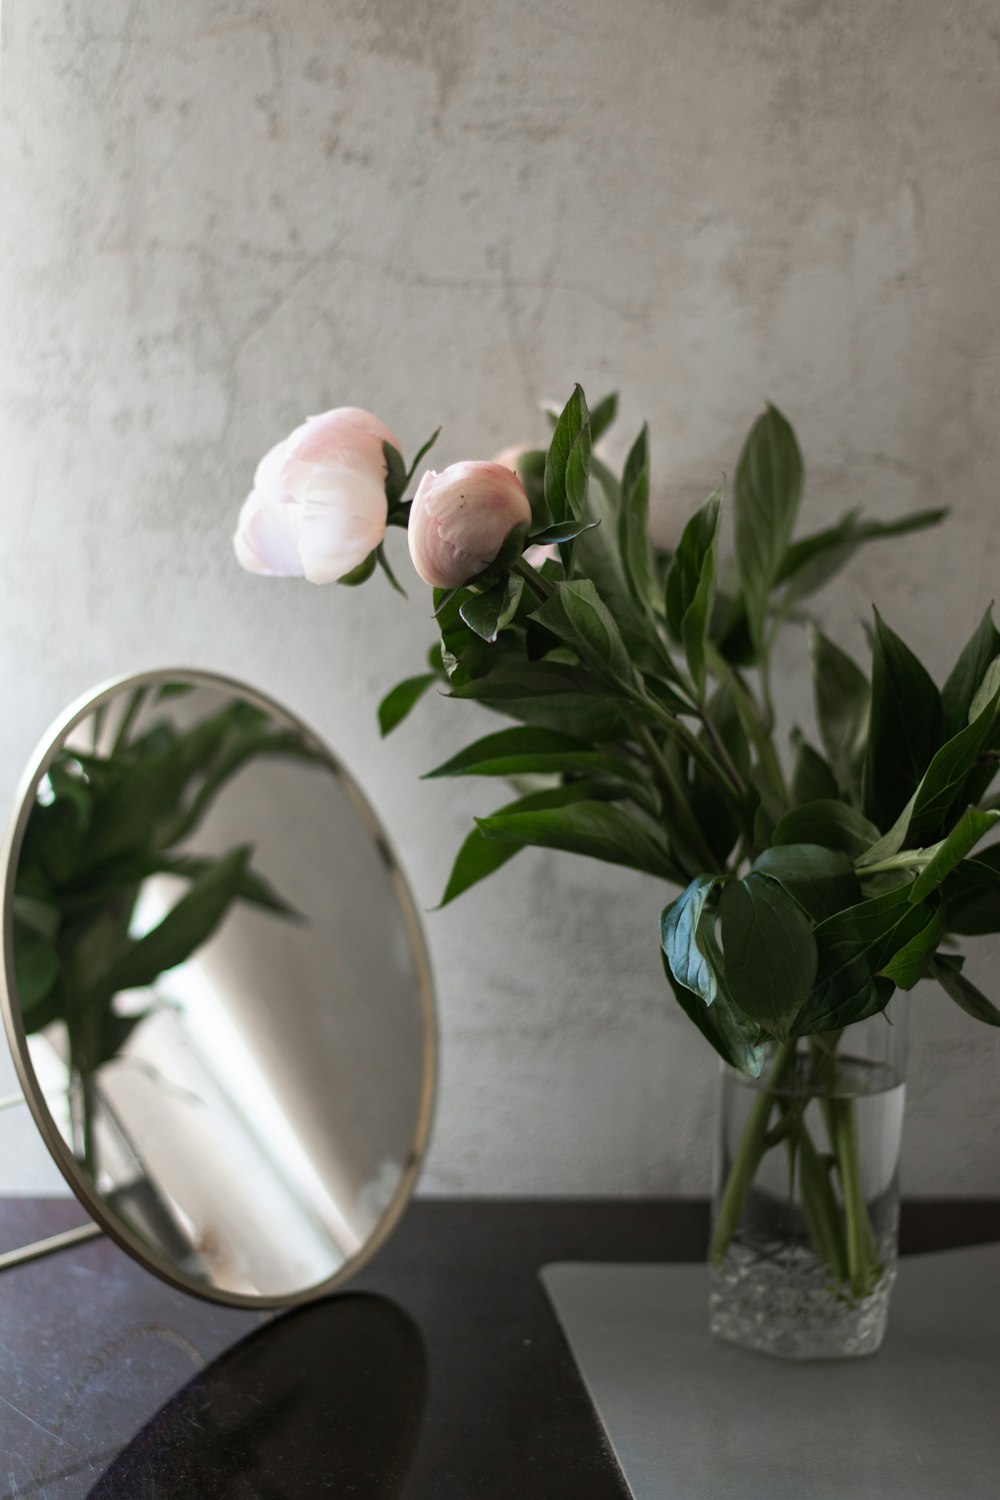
[(638, 681), (105, 819)]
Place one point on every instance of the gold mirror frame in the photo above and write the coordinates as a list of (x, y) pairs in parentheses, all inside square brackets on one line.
[(39, 763)]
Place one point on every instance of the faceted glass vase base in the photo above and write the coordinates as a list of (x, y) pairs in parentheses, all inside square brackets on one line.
[(782, 1302)]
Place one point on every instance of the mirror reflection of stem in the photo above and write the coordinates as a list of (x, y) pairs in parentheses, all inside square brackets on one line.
[(83, 1111)]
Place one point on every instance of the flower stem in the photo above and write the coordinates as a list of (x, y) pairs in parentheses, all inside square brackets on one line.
[(752, 1149)]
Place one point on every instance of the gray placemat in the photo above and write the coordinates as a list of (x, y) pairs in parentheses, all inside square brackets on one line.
[(691, 1418)]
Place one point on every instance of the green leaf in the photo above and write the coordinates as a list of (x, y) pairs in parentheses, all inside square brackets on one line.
[(769, 949), (971, 827), (734, 1036), (812, 778), (842, 700), (766, 496), (690, 585), (813, 560), (905, 726), (603, 416), (395, 474), (253, 887), (383, 562), (549, 694), (686, 960), (986, 694), (361, 573), (488, 613), (521, 751), (946, 781), (480, 856), (596, 829), (907, 966), (821, 880), (948, 973), (567, 461), (577, 615), (564, 531), (890, 843), (972, 894), (968, 673), (188, 924), (854, 946), (36, 967), (421, 452), (832, 824), (398, 702), (633, 523)]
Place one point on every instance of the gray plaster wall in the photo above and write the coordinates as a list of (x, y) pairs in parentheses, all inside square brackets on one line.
[(219, 217)]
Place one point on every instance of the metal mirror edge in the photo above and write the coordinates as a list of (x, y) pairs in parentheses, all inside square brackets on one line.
[(69, 1165)]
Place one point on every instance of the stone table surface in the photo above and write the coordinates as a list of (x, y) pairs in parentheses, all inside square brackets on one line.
[(440, 1372)]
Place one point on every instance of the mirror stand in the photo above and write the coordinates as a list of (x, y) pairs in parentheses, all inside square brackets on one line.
[(52, 1243)]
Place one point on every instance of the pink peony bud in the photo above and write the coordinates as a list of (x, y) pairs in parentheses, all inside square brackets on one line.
[(317, 507), (461, 518)]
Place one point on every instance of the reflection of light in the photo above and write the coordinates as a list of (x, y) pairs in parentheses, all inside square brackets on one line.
[(212, 1034)]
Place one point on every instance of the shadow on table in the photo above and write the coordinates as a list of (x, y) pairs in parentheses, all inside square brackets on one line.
[(326, 1399)]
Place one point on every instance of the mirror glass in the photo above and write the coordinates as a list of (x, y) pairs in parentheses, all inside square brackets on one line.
[(216, 988)]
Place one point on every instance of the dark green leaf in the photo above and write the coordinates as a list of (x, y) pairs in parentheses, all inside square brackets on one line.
[(188, 924), (488, 613), (832, 824), (821, 880), (480, 856), (842, 699), (687, 962), (564, 531), (812, 778), (36, 967), (770, 951), (383, 562), (633, 523), (577, 615), (603, 416), (521, 751), (971, 827), (967, 674), (421, 452), (252, 888), (690, 585), (946, 783), (596, 829), (399, 700), (948, 973), (766, 497), (972, 894), (909, 963), (854, 946), (905, 726), (814, 560), (734, 1036), (987, 692), (395, 474), (889, 843), (563, 497)]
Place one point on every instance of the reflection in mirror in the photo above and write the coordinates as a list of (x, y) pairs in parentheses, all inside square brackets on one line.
[(220, 1002), (290, 1410)]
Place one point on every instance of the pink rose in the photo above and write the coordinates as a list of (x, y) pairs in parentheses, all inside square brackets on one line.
[(461, 518), (317, 507)]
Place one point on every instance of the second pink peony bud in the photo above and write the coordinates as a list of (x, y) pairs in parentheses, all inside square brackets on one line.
[(461, 518)]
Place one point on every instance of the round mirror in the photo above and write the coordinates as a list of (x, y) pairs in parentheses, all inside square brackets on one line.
[(215, 988)]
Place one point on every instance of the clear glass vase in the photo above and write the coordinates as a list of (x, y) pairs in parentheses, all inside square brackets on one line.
[(806, 1201)]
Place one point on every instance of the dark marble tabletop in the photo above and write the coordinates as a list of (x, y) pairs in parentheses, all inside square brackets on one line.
[(440, 1372)]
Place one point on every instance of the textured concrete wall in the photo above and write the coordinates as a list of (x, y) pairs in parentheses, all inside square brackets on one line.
[(219, 217)]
